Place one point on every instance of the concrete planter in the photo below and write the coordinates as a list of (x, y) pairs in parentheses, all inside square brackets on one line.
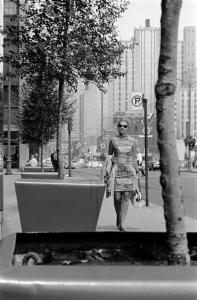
[(37, 169), (39, 175), (55, 205), (106, 282)]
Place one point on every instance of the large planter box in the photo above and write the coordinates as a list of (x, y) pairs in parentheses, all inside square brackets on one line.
[(106, 281), (56, 205), (39, 175), (37, 169)]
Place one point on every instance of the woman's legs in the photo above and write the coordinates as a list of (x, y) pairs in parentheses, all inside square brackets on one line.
[(117, 206), (121, 204)]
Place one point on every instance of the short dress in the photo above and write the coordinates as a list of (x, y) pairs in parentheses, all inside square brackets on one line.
[(123, 150)]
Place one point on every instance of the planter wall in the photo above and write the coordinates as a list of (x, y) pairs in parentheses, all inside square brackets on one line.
[(37, 169), (39, 175), (56, 205), (106, 282)]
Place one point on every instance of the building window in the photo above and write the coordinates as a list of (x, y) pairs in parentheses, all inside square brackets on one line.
[(10, 8)]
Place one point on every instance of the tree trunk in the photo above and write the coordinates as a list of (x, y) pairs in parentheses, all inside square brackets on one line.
[(170, 179), (59, 129)]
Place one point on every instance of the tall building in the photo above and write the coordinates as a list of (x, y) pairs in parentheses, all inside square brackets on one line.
[(1, 99), (146, 56), (10, 88), (186, 100), (179, 83), (189, 53), (119, 90), (188, 117)]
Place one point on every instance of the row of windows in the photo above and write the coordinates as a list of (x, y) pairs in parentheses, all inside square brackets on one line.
[(10, 8)]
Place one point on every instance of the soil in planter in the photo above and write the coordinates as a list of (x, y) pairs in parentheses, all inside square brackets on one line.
[(97, 255)]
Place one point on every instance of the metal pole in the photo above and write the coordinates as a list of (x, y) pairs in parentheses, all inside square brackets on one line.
[(189, 162), (146, 148), (101, 113), (8, 162), (69, 147)]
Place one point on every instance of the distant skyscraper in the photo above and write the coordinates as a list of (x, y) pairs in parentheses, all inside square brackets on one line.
[(189, 53), (179, 83), (186, 94), (1, 36), (119, 91), (146, 56)]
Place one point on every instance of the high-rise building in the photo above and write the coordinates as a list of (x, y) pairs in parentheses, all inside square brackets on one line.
[(119, 90), (189, 54), (146, 56), (179, 83), (186, 95), (10, 87)]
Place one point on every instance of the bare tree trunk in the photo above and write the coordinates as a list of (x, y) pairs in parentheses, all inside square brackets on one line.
[(59, 129), (165, 89)]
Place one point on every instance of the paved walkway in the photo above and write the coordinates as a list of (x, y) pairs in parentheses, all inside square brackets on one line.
[(138, 219)]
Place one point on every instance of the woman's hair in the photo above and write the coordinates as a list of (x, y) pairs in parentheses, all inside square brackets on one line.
[(124, 119)]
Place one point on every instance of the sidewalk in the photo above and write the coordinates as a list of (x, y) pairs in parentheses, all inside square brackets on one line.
[(138, 219)]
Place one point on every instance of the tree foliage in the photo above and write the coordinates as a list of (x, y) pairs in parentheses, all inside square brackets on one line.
[(79, 40), (38, 110), (190, 142)]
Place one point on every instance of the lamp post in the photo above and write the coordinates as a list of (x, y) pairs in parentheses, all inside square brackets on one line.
[(8, 161)]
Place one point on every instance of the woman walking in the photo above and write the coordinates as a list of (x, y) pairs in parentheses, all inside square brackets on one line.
[(121, 176)]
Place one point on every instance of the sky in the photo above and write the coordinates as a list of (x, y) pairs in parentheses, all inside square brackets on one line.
[(140, 10)]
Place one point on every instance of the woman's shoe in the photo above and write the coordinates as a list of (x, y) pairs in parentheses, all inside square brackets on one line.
[(121, 228)]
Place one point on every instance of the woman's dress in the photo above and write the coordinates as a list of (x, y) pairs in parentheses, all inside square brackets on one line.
[(123, 150)]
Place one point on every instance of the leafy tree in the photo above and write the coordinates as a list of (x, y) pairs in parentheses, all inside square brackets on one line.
[(190, 143), (38, 111), (79, 39), (170, 179)]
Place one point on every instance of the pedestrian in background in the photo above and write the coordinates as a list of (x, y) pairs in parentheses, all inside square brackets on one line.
[(139, 162), (54, 161), (121, 175), (33, 162)]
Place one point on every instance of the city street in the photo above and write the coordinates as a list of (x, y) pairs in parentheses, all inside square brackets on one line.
[(189, 188), (138, 219), (188, 181)]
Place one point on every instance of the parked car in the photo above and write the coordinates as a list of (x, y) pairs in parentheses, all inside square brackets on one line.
[(156, 165), (150, 162), (73, 165), (47, 162), (94, 164), (84, 165)]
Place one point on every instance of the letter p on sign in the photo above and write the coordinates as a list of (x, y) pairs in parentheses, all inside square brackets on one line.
[(137, 100)]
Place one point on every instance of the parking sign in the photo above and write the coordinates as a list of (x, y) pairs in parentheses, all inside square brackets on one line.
[(137, 100)]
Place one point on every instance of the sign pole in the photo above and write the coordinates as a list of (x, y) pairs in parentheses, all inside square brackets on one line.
[(69, 146), (146, 148)]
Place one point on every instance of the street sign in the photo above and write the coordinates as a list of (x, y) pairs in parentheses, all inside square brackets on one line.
[(137, 100)]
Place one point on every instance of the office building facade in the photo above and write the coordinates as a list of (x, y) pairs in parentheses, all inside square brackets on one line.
[(146, 56)]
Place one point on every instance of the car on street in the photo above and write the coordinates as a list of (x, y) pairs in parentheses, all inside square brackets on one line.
[(156, 165), (150, 162), (95, 164), (47, 162)]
